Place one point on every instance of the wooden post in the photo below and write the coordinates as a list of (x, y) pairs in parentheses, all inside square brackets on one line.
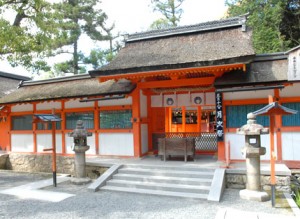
[(272, 154), (54, 153), (272, 158)]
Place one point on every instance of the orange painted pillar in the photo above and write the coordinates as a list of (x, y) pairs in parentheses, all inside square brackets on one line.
[(221, 151), (183, 119), (272, 152), (199, 111), (34, 127), (149, 115), (278, 123), (97, 126), (63, 128), (136, 125), (8, 147)]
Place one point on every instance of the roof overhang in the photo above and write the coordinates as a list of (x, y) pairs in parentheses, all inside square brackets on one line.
[(179, 73)]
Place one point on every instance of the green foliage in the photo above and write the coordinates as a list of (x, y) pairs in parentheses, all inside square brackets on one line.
[(272, 21), (171, 11), (33, 30), (295, 187)]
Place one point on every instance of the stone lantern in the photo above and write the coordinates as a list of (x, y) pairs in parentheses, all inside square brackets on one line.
[(80, 146), (252, 151)]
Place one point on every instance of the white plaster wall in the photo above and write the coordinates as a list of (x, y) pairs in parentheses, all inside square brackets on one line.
[(22, 108), (237, 142), (183, 99), (22, 142), (90, 141), (48, 105), (290, 146), (290, 91), (144, 133), (44, 141), (143, 105), (156, 101), (242, 95), (76, 104), (120, 144), (116, 102), (210, 98)]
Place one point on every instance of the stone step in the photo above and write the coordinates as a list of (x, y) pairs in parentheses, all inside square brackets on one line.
[(163, 179), (160, 186), (174, 172), (169, 167), (156, 192)]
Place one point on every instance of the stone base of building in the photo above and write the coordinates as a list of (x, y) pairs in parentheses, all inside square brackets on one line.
[(80, 181), (254, 195)]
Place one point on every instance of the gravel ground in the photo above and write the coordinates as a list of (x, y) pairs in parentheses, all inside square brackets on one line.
[(105, 204)]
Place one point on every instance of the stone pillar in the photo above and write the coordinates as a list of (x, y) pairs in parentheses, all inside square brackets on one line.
[(80, 135), (252, 151)]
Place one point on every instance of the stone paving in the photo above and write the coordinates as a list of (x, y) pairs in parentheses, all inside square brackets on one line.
[(105, 204)]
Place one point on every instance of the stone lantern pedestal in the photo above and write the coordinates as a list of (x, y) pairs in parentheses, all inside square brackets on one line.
[(80, 135), (252, 151)]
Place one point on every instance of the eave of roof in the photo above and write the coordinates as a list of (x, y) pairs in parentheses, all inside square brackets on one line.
[(66, 89), (14, 76), (266, 69)]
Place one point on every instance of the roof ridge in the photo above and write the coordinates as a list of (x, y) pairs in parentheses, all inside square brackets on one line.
[(53, 80), (204, 26)]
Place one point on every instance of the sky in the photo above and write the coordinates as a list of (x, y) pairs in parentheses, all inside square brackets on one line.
[(131, 16)]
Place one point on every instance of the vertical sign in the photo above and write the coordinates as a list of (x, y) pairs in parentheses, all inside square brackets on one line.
[(294, 65), (219, 117)]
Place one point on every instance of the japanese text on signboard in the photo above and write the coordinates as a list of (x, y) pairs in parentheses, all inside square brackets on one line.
[(219, 117)]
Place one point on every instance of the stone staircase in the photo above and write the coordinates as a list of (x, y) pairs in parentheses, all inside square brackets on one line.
[(187, 182)]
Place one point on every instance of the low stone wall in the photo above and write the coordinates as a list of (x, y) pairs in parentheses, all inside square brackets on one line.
[(3, 160), (39, 163), (238, 181), (43, 163)]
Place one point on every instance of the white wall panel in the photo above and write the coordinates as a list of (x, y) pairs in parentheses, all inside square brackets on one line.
[(210, 98), (143, 105), (22, 142), (184, 100), (290, 146), (22, 108), (76, 104), (156, 101), (237, 142), (45, 141), (290, 91), (116, 102), (120, 144), (144, 133), (242, 95), (48, 105)]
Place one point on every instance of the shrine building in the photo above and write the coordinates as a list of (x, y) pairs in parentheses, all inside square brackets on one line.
[(197, 81)]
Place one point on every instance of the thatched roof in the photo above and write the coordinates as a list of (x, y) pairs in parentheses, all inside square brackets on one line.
[(265, 69), (68, 87), (9, 82), (211, 43)]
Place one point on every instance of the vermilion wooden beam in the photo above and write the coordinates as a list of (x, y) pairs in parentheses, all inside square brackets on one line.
[(216, 70), (177, 83)]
